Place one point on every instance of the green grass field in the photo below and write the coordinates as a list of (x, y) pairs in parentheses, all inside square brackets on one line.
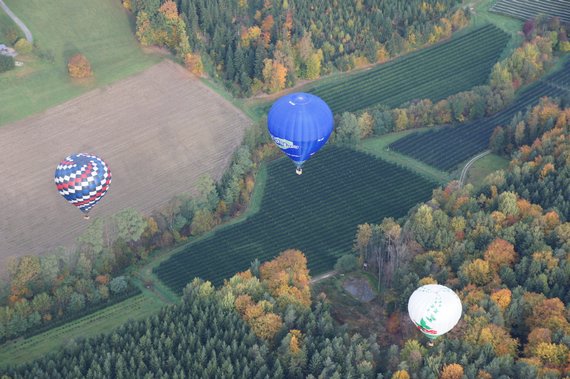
[(379, 146), (103, 321), (8, 29), (316, 213), (484, 166), (101, 30)]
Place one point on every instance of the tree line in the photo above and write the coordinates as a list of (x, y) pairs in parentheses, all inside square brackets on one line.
[(255, 46), (277, 332), (536, 55)]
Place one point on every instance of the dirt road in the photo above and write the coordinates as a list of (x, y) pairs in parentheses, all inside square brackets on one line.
[(158, 131)]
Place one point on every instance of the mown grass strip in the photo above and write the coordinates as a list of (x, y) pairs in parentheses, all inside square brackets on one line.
[(103, 321)]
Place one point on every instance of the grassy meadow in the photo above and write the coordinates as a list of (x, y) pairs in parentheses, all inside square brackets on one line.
[(103, 321), (484, 166), (101, 30)]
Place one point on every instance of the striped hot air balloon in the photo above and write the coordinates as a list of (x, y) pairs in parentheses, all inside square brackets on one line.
[(83, 179)]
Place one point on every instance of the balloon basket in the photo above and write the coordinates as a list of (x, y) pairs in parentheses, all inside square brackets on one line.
[(299, 171), (86, 216), (431, 343)]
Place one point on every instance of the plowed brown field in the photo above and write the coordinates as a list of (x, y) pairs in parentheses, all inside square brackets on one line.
[(158, 131)]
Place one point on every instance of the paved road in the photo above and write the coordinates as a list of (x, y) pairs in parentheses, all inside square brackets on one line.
[(19, 22), (468, 165)]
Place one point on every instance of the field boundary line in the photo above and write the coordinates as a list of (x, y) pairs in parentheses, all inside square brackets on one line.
[(468, 165), (19, 22)]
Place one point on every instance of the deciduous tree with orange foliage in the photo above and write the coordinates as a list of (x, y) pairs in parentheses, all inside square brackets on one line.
[(452, 371), (79, 67), (287, 278), (500, 253)]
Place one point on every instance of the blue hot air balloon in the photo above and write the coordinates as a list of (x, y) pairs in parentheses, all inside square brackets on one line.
[(83, 179), (300, 124)]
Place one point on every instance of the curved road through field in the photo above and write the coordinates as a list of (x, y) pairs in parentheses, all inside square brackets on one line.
[(19, 22), (468, 165)]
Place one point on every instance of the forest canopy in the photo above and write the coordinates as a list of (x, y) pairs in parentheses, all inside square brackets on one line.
[(267, 45)]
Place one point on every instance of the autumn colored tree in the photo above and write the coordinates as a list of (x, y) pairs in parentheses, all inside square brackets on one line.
[(502, 297), (401, 374), (78, 66), (478, 272), (551, 314), (274, 75), (193, 63), (452, 371), (287, 278), (535, 337), (500, 253)]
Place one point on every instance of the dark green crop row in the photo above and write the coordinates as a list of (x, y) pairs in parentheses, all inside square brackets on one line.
[(446, 148), (317, 213), (435, 73), (529, 9)]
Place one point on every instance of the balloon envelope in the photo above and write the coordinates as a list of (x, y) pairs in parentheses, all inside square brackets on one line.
[(435, 309), (300, 124), (82, 179)]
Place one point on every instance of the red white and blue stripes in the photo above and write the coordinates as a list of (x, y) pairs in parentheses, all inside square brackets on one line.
[(83, 179)]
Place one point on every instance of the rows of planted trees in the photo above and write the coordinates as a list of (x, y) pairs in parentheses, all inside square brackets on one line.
[(447, 148), (268, 45), (315, 213), (435, 73), (506, 257)]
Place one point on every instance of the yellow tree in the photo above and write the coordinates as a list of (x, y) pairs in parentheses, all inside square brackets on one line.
[(452, 371), (478, 272), (287, 278), (314, 65), (499, 339), (500, 253), (274, 75), (401, 374), (502, 298)]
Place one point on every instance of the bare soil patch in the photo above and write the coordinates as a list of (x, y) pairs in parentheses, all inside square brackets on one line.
[(359, 288), (158, 131)]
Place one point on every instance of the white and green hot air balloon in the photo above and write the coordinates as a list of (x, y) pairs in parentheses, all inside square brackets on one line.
[(435, 309)]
